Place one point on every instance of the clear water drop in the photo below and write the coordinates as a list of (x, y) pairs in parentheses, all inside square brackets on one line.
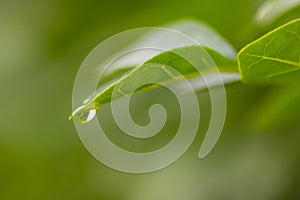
[(83, 114)]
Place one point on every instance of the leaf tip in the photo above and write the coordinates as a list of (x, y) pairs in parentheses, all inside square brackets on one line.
[(71, 117)]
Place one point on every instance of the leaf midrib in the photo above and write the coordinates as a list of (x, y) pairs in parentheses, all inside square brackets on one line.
[(188, 76), (274, 59)]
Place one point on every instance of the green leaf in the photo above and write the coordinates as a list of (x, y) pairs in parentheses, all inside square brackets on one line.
[(171, 59), (273, 9), (218, 52), (274, 57), (161, 74)]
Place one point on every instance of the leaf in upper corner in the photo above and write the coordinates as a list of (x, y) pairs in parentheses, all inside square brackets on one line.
[(274, 57), (274, 9)]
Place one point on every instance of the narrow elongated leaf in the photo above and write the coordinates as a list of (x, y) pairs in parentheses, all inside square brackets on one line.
[(273, 58), (148, 70), (218, 52)]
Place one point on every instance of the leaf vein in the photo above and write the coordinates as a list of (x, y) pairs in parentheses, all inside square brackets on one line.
[(275, 59)]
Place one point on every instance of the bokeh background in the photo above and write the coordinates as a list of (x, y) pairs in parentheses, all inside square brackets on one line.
[(42, 44)]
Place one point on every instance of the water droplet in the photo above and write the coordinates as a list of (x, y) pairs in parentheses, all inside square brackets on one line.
[(83, 114)]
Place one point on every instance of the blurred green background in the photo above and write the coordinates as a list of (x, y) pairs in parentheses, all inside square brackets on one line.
[(42, 44)]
